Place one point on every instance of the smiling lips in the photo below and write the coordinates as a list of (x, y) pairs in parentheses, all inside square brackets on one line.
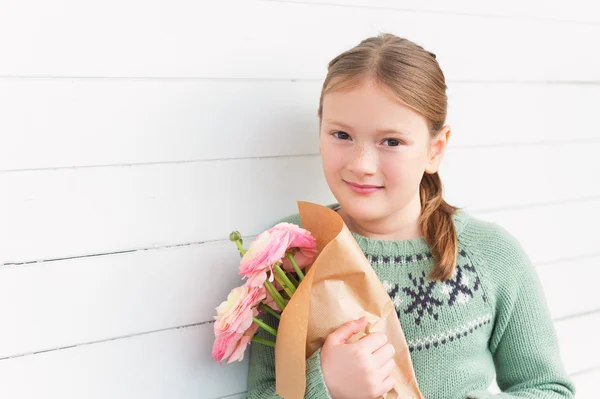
[(363, 188)]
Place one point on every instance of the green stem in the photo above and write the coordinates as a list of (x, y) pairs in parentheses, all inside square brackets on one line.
[(283, 285), (240, 247), (275, 294), (265, 327), (293, 261), (293, 280), (285, 279), (264, 341), (269, 310)]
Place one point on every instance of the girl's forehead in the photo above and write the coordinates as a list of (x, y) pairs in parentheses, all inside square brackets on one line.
[(378, 112), (364, 92)]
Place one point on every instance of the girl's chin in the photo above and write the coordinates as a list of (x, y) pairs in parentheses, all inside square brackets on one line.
[(362, 209)]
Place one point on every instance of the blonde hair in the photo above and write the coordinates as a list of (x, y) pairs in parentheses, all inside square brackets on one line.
[(415, 77)]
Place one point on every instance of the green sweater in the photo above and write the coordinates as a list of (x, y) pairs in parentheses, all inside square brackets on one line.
[(491, 317)]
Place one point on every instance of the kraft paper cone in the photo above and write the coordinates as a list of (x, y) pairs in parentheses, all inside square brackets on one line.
[(340, 286)]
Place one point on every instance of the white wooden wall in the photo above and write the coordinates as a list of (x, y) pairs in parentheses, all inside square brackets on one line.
[(135, 135)]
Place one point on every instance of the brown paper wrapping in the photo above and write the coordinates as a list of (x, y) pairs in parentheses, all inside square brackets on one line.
[(340, 286)]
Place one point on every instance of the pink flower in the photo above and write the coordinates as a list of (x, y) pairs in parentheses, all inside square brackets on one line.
[(301, 239), (235, 314), (270, 247), (232, 345)]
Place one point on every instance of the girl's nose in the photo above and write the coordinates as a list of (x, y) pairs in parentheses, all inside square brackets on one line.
[(363, 162)]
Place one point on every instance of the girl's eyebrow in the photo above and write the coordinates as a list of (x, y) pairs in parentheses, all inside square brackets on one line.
[(390, 131), (379, 131), (338, 123)]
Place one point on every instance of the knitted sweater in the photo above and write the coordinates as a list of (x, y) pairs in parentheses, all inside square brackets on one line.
[(490, 318)]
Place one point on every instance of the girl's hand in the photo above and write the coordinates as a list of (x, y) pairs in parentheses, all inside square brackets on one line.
[(358, 370)]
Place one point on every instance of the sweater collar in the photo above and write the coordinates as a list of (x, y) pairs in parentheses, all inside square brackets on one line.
[(413, 246)]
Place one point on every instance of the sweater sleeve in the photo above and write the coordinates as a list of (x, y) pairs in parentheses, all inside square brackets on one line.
[(261, 373), (524, 343)]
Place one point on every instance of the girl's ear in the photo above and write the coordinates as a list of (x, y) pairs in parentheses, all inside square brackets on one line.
[(437, 150)]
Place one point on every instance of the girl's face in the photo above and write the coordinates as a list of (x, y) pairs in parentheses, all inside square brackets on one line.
[(368, 137)]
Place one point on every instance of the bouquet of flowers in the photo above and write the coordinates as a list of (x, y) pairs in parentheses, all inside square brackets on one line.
[(272, 267), (313, 279)]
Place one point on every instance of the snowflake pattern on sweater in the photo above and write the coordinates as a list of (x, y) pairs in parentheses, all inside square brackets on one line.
[(425, 295), (422, 297)]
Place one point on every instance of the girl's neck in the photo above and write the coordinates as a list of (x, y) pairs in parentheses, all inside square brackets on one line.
[(404, 227)]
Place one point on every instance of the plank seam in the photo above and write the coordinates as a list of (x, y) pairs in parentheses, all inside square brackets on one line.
[(582, 314), (106, 340), (583, 141), (250, 236), (441, 12), (577, 315), (292, 80), (229, 396), (585, 371), (544, 204)]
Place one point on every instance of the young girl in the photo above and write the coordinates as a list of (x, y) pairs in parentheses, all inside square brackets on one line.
[(468, 298)]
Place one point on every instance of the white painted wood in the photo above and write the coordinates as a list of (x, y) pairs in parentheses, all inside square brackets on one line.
[(84, 122), (72, 212), (168, 364), (579, 345), (56, 304), (493, 388), (153, 121), (586, 384), (497, 177), (554, 232), (178, 363), (53, 214), (241, 395), (571, 286), (577, 11), (275, 40)]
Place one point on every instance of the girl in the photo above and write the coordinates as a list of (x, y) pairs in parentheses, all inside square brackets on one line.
[(468, 298)]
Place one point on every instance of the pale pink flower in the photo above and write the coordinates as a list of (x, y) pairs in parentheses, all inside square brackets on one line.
[(240, 348), (232, 346), (235, 314), (301, 239), (270, 247)]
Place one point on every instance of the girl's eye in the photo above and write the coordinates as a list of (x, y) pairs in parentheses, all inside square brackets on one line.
[(393, 142), (342, 135)]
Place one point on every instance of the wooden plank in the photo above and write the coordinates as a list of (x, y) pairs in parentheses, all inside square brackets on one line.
[(131, 121), (586, 384), (168, 364), (579, 345), (83, 122), (177, 363), (241, 395), (178, 41), (586, 11), (498, 177), (547, 232), (104, 210), (90, 299), (62, 303), (567, 292)]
